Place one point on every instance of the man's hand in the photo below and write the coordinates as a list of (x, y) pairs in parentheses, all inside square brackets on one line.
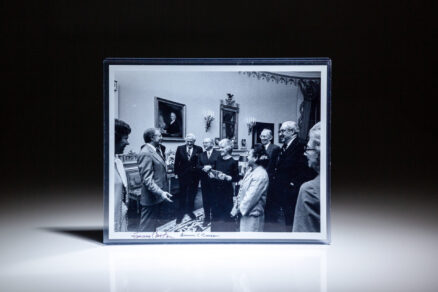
[(166, 196), (234, 211), (206, 168)]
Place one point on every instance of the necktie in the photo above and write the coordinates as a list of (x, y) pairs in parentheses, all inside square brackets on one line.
[(189, 153), (208, 154), (283, 149)]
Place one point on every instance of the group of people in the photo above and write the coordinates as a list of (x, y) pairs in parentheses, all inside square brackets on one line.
[(279, 191)]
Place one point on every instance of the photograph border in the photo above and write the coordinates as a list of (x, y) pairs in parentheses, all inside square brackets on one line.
[(231, 62)]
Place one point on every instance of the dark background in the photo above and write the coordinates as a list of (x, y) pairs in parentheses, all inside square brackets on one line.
[(383, 124)]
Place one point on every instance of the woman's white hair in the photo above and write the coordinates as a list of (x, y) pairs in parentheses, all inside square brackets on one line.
[(227, 144), (315, 136)]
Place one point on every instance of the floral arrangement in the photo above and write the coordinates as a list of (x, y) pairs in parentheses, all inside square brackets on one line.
[(250, 123), (208, 118), (170, 161)]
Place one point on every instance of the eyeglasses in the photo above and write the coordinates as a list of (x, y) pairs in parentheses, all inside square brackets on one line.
[(283, 130)]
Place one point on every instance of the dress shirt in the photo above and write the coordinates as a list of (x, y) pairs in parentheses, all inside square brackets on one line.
[(290, 142), (189, 151), (156, 149)]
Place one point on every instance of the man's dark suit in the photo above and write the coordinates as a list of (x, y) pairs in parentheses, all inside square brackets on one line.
[(206, 185), (188, 178), (289, 173), (270, 218), (273, 152)]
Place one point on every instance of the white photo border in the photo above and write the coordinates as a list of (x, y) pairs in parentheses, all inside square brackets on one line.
[(111, 66)]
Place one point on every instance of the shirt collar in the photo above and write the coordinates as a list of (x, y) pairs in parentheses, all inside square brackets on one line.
[(291, 140), (267, 145), (152, 146)]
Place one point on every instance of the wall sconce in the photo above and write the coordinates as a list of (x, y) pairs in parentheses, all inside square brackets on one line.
[(208, 118), (250, 123)]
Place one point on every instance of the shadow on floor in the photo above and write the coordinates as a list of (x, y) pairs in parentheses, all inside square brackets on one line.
[(91, 234)]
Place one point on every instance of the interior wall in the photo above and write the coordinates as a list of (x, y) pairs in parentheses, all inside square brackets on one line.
[(267, 102)]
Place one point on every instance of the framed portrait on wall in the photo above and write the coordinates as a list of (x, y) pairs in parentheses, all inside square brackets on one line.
[(170, 118), (229, 120), (160, 189)]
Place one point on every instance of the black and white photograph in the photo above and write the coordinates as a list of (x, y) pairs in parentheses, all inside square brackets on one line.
[(193, 152)]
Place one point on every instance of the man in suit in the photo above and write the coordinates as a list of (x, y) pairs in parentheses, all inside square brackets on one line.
[(289, 173), (154, 190), (162, 149), (186, 160), (206, 162), (273, 152)]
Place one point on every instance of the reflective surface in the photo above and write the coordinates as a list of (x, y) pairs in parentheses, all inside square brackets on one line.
[(54, 245)]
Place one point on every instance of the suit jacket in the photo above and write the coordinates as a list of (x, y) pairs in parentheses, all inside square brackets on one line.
[(203, 160), (253, 191), (162, 147), (290, 171), (307, 211), (273, 152), (153, 174), (163, 150), (185, 167)]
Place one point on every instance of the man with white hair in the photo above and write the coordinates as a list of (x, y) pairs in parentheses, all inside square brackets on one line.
[(207, 162), (186, 160), (289, 173), (272, 149), (273, 152)]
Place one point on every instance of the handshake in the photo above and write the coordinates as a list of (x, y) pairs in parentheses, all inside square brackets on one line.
[(216, 174)]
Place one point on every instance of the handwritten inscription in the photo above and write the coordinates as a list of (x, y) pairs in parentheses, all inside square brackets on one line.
[(166, 235), (153, 235)]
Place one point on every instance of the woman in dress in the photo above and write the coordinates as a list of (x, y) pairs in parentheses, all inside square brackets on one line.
[(225, 173), (251, 201), (307, 210), (121, 133)]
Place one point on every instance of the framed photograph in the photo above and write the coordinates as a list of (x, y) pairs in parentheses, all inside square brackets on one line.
[(278, 133), (167, 180), (170, 118)]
